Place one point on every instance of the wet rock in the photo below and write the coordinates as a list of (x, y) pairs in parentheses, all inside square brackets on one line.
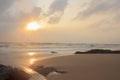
[(99, 51), (18, 74), (10, 73), (78, 52), (53, 52), (5, 72), (45, 71)]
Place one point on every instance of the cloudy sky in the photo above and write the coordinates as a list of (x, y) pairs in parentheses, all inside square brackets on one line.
[(76, 21)]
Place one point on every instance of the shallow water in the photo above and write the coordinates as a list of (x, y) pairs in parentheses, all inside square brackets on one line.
[(25, 58), (24, 54)]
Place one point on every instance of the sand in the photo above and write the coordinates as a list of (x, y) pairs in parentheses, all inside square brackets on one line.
[(85, 67)]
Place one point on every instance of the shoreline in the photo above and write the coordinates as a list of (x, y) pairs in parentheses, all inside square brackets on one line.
[(75, 67), (84, 67)]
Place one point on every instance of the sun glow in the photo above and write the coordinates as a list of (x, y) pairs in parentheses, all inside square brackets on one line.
[(33, 26), (31, 53)]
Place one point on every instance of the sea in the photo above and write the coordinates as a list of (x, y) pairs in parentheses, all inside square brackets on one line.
[(25, 54)]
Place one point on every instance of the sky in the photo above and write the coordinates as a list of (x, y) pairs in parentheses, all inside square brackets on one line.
[(62, 21)]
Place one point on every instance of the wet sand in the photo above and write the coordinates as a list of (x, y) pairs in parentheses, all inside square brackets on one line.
[(84, 67)]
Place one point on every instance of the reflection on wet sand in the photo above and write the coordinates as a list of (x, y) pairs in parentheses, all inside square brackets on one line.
[(28, 70), (23, 63), (39, 72), (31, 53), (35, 75), (32, 60)]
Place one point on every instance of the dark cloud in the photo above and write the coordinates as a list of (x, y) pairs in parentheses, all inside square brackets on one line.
[(5, 18), (54, 19), (56, 10), (57, 5), (5, 4), (37, 11)]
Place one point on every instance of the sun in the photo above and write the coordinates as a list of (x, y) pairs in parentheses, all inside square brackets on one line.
[(33, 26)]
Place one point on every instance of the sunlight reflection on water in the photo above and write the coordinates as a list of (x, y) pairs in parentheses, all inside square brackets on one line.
[(31, 53), (32, 60), (35, 75)]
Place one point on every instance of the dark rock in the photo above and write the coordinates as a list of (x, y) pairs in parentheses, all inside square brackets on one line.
[(99, 51), (117, 51), (18, 74), (10, 73), (4, 72), (43, 70), (46, 70), (53, 52), (78, 52)]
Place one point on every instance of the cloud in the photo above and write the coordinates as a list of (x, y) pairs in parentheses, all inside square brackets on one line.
[(5, 4), (36, 11), (96, 7), (57, 5), (14, 15), (56, 10), (34, 14), (103, 14)]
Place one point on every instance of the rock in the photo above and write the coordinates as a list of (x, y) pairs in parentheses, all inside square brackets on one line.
[(117, 51), (53, 52), (18, 74), (45, 71), (99, 51), (4, 72), (78, 52), (10, 73)]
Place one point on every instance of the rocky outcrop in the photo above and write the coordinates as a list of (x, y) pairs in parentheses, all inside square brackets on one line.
[(99, 51), (46, 70), (10, 73)]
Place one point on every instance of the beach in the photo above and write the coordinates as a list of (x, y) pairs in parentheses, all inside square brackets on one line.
[(59, 61), (84, 67), (59, 40), (67, 67)]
